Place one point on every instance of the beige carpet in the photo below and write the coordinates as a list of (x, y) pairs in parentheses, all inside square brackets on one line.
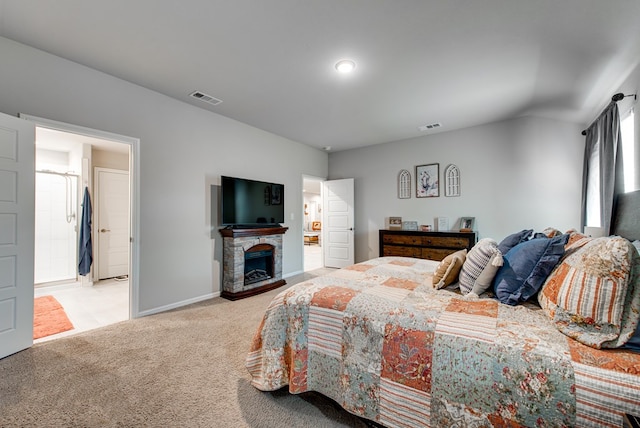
[(183, 368)]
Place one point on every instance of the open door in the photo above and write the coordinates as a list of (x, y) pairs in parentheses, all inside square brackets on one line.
[(338, 236), (17, 220)]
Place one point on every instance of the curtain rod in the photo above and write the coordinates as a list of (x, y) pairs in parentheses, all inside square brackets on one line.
[(614, 99)]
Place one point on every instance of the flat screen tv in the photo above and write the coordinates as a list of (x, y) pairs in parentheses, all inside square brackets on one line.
[(251, 203)]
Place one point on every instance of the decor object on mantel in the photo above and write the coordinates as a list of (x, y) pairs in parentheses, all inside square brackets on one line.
[(467, 224), (427, 180), (404, 184), (452, 181)]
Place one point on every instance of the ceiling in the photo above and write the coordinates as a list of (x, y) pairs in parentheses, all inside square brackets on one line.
[(459, 63)]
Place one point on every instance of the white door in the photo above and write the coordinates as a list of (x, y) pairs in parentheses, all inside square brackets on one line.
[(337, 226), (112, 222), (17, 220)]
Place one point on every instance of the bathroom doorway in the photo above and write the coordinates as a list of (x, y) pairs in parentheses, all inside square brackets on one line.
[(65, 171)]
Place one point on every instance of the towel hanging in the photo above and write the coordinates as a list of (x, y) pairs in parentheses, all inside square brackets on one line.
[(85, 250)]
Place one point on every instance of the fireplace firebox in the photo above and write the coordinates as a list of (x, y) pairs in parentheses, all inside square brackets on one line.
[(258, 263)]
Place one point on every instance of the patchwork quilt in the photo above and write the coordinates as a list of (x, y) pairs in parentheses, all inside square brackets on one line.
[(380, 341)]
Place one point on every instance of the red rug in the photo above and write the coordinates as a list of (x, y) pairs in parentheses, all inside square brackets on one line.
[(49, 317)]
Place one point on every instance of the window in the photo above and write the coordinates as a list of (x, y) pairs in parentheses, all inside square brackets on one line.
[(630, 170), (628, 151)]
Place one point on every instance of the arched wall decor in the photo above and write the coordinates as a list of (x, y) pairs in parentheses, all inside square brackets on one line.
[(404, 184), (452, 181)]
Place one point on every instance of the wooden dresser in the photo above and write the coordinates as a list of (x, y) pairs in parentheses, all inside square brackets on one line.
[(424, 245)]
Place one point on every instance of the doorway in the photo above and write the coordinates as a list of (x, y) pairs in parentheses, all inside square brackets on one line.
[(312, 223), (88, 300)]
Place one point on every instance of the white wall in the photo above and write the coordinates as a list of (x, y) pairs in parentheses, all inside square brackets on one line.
[(516, 174), (183, 151)]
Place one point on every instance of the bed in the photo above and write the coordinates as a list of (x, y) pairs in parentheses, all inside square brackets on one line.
[(385, 344)]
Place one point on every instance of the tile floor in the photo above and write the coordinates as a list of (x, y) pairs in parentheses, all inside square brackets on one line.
[(106, 302), (312, 257)]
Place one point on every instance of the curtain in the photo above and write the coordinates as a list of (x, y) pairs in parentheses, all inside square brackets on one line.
[(602, 176)]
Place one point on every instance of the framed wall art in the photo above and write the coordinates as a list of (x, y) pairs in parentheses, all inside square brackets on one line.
[(427, 180)]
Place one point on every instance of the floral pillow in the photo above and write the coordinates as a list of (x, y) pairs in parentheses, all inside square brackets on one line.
[(480, 267), (593, 295), (449, 268)]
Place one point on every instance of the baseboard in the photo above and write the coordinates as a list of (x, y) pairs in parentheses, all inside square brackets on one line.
[(177, 304), (290, 274)]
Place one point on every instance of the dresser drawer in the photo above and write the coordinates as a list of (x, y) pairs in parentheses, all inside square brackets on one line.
[(400, 251), (402, 239), (445, 241), (436, 254)]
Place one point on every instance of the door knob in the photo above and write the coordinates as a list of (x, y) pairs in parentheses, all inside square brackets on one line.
[(105, 230)]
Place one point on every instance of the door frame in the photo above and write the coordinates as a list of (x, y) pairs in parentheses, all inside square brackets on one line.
[(134, 197), (306, 177)]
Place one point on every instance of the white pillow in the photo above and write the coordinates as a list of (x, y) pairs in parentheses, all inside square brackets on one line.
[(480, 267)]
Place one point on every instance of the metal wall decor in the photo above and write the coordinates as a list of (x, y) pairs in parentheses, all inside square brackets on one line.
[(404, 184), (452, 181)]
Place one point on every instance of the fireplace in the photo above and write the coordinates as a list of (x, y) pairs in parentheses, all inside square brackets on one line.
[(252, 261), (258, 263)]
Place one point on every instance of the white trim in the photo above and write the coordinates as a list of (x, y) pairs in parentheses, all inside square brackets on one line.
[(134, 179), (179, 304)]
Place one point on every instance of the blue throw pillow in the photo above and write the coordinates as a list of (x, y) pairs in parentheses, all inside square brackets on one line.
[(634, 343), (514, 239), (526, 267)]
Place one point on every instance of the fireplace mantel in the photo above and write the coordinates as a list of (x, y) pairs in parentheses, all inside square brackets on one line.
[(262, 231), (237, 243)]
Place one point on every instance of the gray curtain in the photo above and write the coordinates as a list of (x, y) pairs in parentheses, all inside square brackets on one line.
[(603, 155)]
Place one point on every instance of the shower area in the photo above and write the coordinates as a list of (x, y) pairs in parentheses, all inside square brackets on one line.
[(56, 219)]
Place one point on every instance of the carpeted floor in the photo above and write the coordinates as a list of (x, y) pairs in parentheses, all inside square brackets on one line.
[(180, 368)]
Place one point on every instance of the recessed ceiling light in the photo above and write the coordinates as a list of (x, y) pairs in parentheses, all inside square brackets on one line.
[(345, 66), (327, 148)]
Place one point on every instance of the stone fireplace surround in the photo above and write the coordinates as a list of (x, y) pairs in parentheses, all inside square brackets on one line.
[(239, 241)]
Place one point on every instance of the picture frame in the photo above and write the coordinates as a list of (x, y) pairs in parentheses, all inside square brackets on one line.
[(442, 224), (409, 225), (395, 222), (267, 195), (467, 223), (276, 194), (428, 180)]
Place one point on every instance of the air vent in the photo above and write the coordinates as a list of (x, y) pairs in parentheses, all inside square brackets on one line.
[(205, 98), (430, 126)]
